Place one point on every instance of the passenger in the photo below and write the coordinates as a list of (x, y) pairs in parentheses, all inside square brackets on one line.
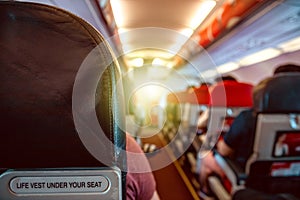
[(225, 78), (139, 186), (238, 141), (281, 148), (202, 122)]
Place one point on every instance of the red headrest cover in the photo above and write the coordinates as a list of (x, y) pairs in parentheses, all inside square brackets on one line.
[(199, 95), (232, 94)]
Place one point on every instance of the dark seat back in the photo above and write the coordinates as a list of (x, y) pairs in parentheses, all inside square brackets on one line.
[(278, 107), (44, 130)]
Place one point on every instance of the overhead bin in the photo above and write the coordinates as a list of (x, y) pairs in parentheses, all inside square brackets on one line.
[(228, 15)]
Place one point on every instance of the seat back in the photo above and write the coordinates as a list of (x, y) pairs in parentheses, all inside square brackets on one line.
[(173, 115), (183, 109), (198, 98), (227, 100), (274, 165), (48, 147)]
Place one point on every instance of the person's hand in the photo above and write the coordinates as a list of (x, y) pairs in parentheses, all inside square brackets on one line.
[(208, 167)]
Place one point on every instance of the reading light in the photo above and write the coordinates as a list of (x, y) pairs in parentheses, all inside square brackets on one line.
[(158, 62), (137, 62)]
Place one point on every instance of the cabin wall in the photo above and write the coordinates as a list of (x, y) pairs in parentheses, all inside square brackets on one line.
[(255, 73)]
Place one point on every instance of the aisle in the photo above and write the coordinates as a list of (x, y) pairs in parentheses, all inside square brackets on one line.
[(171, 181)]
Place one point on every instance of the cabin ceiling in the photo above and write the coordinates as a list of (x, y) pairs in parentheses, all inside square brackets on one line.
[(270, 25), (162, 28), (172, 22), (171, 14)]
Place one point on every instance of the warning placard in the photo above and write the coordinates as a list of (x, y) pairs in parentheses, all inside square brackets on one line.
[(50, 185)]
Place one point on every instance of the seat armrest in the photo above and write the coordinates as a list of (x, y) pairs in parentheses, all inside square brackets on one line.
[(218, 188), (235, 174)]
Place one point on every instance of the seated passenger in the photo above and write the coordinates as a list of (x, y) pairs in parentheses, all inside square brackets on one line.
[(202, 122), (238, 141), (225, 78), (140, 183)]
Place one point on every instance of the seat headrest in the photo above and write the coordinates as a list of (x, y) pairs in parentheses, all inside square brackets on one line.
[(177, 97), (171, 98), (231, 94), (280, 93), (42, 49), (199, 95)]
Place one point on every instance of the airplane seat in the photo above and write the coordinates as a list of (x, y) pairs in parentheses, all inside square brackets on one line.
[(178, 113), (199, 100), (173, 113), (183, 109), (50, 145), (227, 100), (203, 97), (274, 166)]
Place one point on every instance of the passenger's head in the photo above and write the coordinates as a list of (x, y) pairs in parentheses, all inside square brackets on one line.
[(225, 78), (190, 88), (287, 68), (258, 89), (257, 93), (205, 83)]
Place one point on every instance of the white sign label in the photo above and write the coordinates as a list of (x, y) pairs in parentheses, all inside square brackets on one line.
[(52, 185)]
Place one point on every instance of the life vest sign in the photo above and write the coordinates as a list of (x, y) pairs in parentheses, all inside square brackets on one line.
[(50, 185), (67, 184)]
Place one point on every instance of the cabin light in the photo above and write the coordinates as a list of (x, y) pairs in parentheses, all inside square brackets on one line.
[(260, 56), (116, 6), (153, 93), (158, 62), (122, 30), (137, 62), (204, 9), (227, 67), (209, 73), (170, 65), (187, 32), (291, 45)]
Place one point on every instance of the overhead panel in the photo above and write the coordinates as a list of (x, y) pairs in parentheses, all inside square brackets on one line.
[(275, 27), (228, 15)]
